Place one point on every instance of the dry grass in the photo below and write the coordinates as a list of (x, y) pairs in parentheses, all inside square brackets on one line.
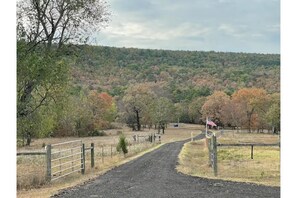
[(76, 179), (235, 163), (31, 169)]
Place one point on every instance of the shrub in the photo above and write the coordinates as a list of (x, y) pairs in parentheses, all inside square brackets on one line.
[(97, 133), (122, 145)]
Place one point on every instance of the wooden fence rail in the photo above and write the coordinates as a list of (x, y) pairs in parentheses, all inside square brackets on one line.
[(249, 144), (31, 153), (252, 145), (211, 143)]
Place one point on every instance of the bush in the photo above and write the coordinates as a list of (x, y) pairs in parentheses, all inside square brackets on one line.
[(96, 133), (122, 145)]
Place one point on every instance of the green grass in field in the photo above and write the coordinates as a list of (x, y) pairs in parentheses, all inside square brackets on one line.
[(234, 163)]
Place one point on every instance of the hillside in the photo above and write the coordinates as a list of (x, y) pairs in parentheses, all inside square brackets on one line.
[(142, 87), (187, 74)]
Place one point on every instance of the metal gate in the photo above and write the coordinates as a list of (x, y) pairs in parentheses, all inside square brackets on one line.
[(64, 159)]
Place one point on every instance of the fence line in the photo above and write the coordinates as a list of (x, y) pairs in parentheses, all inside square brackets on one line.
[(211, 143), (252, 145), (65, 158)]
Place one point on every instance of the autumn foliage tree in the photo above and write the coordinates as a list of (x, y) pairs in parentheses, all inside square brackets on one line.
[(213, 106), (137, 99), (103, 109), (252, 103)]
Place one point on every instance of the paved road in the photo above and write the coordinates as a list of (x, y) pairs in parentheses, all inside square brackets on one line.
[(154, 175)]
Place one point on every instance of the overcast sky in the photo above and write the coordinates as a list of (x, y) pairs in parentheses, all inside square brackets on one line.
[(219, 25)]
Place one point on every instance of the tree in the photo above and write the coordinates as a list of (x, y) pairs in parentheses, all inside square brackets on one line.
[(103, 109), (42, 70), (161, 111), (137, 99), (273, 113), (195, 109), (74, 116), (213, 106), (60, 21), (232, 115), (252, 102), (41, 81), (181, 112)]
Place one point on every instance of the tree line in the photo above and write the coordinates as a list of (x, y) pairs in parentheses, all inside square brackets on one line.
[(248, 108)]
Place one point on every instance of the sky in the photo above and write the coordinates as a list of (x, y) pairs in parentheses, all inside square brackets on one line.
[(251, 26)]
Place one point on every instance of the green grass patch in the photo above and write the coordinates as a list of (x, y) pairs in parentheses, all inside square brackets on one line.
[(234, 163)]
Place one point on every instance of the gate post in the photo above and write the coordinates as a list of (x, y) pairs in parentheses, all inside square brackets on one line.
[(92, 155), (208, 144), (83, 159), (48, 162), (252, 151), (215, 160)]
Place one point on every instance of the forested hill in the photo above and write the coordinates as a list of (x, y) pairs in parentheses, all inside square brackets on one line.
[(187, 74)]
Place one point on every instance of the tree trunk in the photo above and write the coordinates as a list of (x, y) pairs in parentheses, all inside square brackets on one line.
[(25, 97), (138, 120), (28, 139)]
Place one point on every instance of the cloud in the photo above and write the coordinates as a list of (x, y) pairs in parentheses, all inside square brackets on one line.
[(228, 25)]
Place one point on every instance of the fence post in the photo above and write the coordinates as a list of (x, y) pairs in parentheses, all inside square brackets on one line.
[(208, 144), (252, 151), (48, 162), (215, 165), (83, 159), (92, 155)]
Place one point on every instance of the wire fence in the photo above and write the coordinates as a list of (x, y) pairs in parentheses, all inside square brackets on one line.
[(66, 159)]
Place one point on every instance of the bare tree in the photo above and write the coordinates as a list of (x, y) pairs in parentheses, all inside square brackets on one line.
[(60, 21)]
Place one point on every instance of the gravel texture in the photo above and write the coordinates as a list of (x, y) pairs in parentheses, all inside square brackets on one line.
[(154, 175)]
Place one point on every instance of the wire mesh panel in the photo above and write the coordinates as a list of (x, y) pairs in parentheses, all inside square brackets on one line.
[(66, 158)]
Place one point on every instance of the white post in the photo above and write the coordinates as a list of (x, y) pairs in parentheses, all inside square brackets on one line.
[(206, 127)]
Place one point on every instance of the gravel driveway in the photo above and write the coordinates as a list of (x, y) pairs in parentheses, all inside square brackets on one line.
[(154, 175)]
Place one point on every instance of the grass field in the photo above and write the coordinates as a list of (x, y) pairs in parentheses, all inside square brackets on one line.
[(235, 163), (31, 169)]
